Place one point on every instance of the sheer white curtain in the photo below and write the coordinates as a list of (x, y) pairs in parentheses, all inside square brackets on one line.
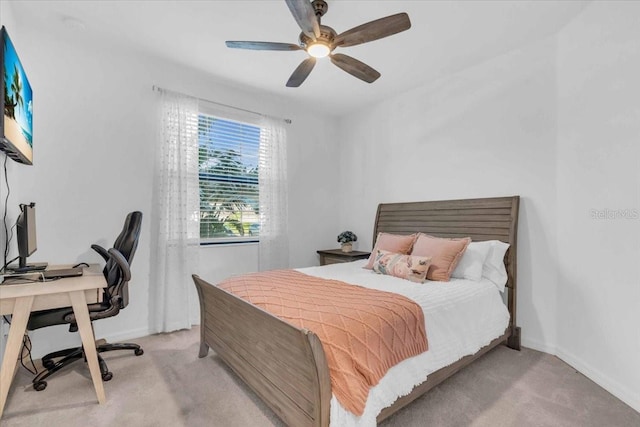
[(175, 216), (272, 178)]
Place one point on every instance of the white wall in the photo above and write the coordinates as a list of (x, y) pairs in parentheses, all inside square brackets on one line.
[(94, 146), (486, 131), (599, 170), (558, 123), (6, 19)]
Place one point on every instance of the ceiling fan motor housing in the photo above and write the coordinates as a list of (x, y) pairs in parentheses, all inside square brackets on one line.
[(327, 35)]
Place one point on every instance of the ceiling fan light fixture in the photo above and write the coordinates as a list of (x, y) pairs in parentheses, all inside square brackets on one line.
[(318, 50), (319, 41)]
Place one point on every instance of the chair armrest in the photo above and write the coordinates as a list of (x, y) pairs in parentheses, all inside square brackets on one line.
[(114, 301), (101, 251), (122, 263)]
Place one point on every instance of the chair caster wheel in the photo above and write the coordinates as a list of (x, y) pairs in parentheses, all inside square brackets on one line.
[(138, 352), (48, 364), (107, 376), (40, 385)]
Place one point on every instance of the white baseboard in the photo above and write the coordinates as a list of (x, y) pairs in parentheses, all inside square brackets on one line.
[(620, 391), (126, 335), (539, 346)]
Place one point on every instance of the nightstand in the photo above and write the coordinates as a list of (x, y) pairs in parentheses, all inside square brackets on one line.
[(334, 256)]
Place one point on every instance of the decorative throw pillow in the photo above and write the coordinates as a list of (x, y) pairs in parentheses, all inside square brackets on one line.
[(472, 261), (408, 267), (494, 268), (444, 254), (397, 243)]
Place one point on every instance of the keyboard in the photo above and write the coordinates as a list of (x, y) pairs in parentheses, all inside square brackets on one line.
[(62, 272)]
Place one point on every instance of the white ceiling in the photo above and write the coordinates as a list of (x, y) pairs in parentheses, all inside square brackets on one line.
[(446, 36)]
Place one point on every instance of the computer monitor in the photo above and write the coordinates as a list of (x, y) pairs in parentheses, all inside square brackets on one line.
[(27, 242)]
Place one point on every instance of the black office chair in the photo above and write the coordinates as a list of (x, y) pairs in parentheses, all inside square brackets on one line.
[(116, 297)]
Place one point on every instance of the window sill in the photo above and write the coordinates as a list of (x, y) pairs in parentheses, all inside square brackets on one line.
[(230, 242)]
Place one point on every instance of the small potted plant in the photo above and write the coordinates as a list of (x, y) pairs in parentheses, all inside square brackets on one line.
[(346, 239)]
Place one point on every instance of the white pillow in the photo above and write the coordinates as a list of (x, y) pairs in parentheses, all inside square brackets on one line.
[(472, 261), (494, 268)]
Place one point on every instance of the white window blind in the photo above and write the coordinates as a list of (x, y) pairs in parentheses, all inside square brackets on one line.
[(228, 179)]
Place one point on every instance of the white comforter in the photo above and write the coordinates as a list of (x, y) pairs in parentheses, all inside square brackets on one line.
[(461, 316)]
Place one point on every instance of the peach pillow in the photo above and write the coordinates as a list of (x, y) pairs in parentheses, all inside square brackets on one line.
[(396, 243), (444, 253), (409, 267)]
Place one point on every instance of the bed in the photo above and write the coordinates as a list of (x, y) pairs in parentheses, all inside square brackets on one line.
[(286, 366)]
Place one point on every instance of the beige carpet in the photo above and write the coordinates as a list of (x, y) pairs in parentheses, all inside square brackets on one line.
[(170, 386)]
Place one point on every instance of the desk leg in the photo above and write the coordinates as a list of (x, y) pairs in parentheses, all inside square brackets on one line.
[(19, 319), (79, 304)]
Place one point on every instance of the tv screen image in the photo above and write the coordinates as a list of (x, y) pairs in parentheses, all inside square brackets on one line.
[(16, 129)]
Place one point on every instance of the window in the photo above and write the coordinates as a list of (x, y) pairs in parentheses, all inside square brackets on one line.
[(228, 180)]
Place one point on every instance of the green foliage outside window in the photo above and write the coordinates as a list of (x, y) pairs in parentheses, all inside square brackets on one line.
[(229, 197)]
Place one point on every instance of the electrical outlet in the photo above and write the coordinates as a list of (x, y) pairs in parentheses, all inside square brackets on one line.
[(4, 329)]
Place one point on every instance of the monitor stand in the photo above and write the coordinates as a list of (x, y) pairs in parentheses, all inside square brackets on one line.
[(35, 266)]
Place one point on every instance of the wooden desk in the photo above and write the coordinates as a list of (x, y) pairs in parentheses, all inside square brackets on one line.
[(20, 299)]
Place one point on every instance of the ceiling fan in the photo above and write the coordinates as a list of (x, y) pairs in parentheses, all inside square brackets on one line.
[(319, 40)]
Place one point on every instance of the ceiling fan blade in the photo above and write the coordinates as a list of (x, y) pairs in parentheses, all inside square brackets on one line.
[(262, 45), (355, 67), (305, 16), (302, 72), (374, 30)]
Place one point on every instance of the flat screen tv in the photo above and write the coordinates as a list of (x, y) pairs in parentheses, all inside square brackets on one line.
[(16, 126)]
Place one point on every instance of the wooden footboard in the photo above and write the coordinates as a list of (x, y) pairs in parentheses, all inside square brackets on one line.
[(284, 365)]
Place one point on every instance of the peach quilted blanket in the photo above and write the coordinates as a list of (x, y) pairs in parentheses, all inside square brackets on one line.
[(364, 332)]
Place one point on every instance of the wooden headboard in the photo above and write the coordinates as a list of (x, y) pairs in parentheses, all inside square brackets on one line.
[(493, 218)]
